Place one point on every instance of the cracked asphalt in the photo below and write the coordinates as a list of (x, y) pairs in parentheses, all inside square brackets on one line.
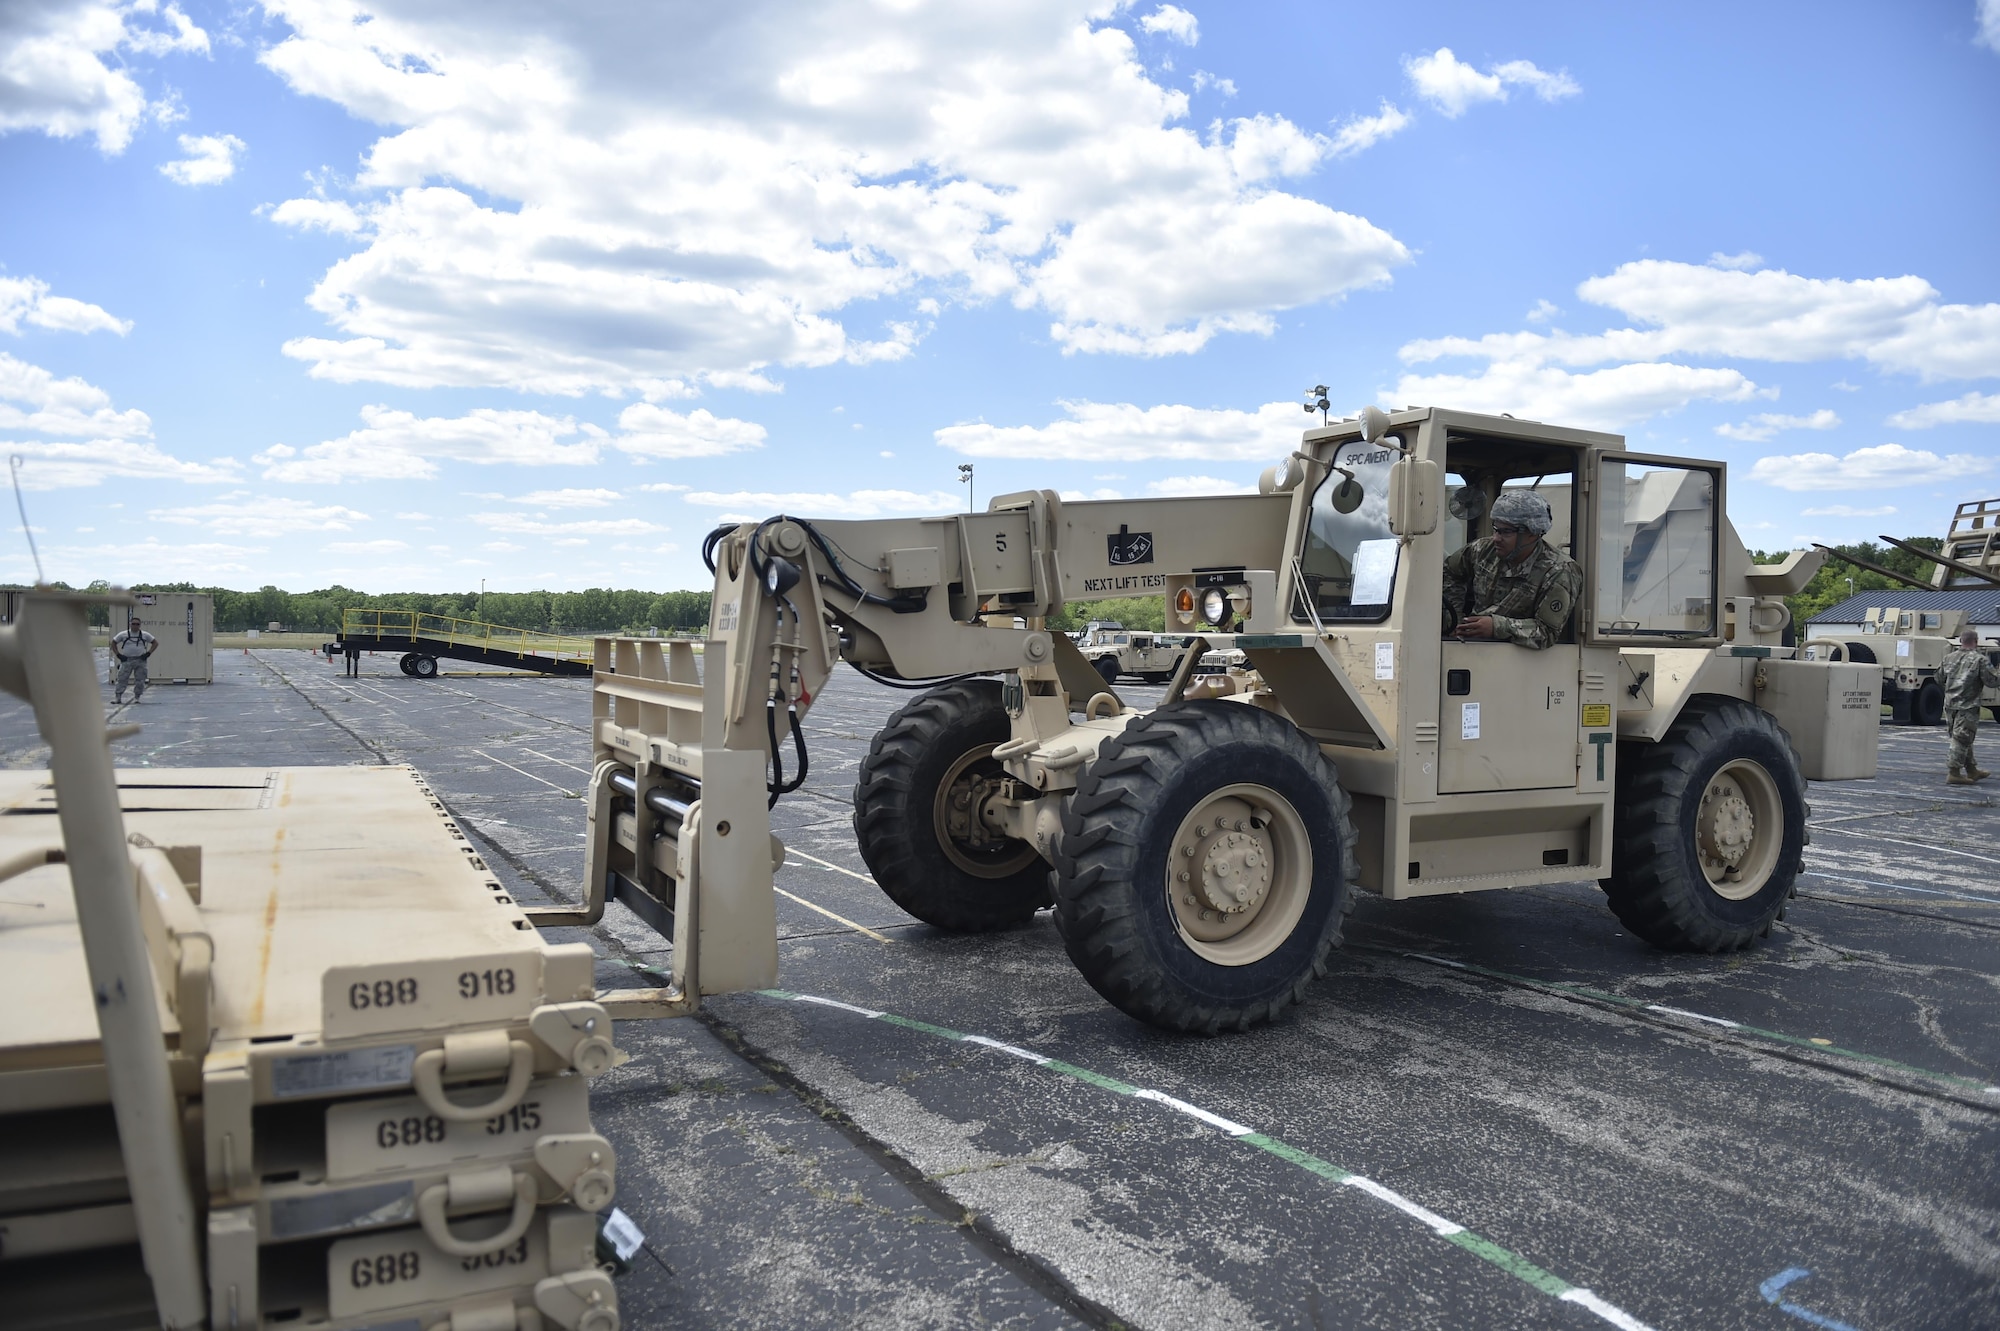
[(1679, 1136)]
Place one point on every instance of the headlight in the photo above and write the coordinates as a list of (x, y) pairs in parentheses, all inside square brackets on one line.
[(1215, 606)]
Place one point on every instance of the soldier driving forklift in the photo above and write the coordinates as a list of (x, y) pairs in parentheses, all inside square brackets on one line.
[(1201, 856)]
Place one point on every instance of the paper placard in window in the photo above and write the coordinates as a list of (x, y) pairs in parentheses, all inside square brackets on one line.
[(1375, 571)]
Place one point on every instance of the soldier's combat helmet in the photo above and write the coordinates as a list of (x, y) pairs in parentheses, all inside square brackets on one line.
[(1524, 509)]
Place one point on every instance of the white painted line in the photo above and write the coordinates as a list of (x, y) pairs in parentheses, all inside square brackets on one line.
[(1437, 961), (1442, 1227), (1983, 894), (858, 928), (1693, 1016), (834, 1002), (1195, 1111), (530, 775), (1920, 845), (793, 850), (1611, 1313), (557, 761), (1013, 1049)]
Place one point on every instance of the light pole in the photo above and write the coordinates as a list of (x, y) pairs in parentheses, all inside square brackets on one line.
[(482, 600), (965, 475), (1850, 586)]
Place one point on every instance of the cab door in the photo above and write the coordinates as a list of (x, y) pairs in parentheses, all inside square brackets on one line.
[(1652, 553), (1508, 719)]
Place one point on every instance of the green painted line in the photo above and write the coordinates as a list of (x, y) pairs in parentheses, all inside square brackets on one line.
[(1568, 989), (1097, 1079), (924, 1026), (1512, 1263), (1479, 1246), (1326, 1169)]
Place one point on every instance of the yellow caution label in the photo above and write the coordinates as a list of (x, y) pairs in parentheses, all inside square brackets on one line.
[(1596, 714)]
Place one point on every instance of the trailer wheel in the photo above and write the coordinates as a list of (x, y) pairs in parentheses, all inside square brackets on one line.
[(1107, 668), (424, 667), (1709, 831), (408, 665), (1205, 867), (917, 803), (1927, 706)]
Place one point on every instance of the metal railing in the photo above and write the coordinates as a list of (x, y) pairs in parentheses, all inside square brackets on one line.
[(473, 633)]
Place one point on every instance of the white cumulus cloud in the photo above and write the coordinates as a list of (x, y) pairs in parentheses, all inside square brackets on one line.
[(1198, 485), (1454, 87), (70, 434), (567, 498), (27, 300), (570, 206), (651, 431), (578, 531), (1174, 22), (858, 504), (1360, 133), (395, 445), (1885, 466), (62, 70), (244, 514), (1124, 432), (1698, 310), (210, 160), (1987, 16), (1766, 425), (1846, 511), (1973, 408)]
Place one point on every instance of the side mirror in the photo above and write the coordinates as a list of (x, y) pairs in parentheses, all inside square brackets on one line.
[(1416, 487)]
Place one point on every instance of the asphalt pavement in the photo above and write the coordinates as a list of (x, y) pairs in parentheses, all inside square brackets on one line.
[(1498, 1110)]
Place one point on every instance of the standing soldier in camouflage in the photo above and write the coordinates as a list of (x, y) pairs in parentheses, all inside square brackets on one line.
[(1512, 585), (130, 651), (1965, 675)]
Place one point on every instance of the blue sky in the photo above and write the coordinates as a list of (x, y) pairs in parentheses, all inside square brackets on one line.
[(408, 295)]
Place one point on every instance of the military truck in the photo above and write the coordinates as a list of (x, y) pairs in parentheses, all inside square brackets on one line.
[(1910, 646), (1201, 855), (1115, 651)]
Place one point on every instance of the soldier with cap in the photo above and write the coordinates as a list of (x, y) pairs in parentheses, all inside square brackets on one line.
[(129, 652), (1965, 675), (1512, 585)]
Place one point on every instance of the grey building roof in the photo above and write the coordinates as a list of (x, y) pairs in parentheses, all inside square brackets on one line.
[(1983, 604)]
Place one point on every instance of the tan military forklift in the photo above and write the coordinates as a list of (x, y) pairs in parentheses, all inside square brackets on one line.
[(1201, 855)]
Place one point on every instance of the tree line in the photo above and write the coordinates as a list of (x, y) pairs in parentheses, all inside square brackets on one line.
[(609, 610), (593, 610)]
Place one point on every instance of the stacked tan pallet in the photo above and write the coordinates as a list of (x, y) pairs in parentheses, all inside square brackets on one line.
[(382, 1066)]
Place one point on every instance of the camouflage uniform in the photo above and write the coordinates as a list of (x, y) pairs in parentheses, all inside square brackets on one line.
[(1531, 602), (1965, 675)]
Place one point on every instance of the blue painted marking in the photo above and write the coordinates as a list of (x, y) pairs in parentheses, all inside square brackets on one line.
[(1771, 1288)]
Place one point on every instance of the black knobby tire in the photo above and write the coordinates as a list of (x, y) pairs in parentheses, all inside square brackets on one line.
[(424, 667), (1112, 896), (1657, 886), (895, 816), (408, 665), (1927, 705), (1106, 668)]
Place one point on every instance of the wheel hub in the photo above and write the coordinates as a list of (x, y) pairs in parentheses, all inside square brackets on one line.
[(1728, 828), (1235, 868)]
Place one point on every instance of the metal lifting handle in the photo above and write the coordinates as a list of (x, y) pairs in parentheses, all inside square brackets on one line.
[(471, 1190), (427, 1075)]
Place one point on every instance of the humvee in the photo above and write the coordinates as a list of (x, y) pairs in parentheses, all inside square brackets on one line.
[(1910, 646), (1201, 855), (1114, 651)]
